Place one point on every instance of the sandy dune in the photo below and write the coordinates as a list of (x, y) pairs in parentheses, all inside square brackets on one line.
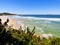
[(12, 22)]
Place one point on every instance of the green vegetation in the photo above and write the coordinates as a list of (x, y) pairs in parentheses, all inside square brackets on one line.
[(24, 37), (6, 13)]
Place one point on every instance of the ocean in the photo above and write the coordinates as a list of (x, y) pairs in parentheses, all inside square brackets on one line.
[(49, 24), (42, 16)]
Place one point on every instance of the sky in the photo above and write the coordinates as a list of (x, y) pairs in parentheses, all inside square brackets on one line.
[(30, 6)]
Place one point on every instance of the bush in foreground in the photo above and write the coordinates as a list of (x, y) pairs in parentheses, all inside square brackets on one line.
[(20, 37)]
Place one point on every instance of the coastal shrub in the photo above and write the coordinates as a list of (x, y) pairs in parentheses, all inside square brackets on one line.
[(20, 37)]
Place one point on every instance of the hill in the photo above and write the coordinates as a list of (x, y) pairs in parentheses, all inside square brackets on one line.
[(5, 13)]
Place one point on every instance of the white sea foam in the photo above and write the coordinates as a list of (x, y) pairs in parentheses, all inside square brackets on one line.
[(35, 18), (48, 22), (49, 19), (41, 30)]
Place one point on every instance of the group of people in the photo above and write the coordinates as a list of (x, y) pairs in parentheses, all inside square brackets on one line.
[(4, 24)]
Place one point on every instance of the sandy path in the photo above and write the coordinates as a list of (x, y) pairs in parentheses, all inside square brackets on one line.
[(12, 22)]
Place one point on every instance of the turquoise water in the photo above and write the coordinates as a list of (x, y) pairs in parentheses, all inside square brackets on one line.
[(45, 25)]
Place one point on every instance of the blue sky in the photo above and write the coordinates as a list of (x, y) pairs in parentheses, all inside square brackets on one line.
[(30, 6)]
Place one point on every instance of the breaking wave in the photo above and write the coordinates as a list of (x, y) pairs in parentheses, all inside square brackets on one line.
[(36, 18)]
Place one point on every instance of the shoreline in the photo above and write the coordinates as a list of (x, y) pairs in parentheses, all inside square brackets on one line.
[(12, 22)]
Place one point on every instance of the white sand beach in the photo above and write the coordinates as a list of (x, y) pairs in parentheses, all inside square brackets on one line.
[(12, 22)]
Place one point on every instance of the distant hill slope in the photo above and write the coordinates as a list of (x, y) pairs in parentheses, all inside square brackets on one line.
[(6, 14)]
